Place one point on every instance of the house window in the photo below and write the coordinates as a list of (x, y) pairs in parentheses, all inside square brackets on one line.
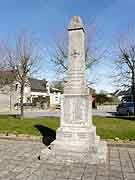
[(56, 98), (28, 100), (16, 87)]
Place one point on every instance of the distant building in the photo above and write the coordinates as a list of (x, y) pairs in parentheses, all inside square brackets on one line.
[(92, 92), (37, 92), (55, 97), (7, 93), (125, 95)]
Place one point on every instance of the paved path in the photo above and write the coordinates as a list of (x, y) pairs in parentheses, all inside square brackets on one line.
[(18, 161)]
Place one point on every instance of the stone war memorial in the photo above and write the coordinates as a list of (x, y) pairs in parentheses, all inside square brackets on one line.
[(76, 139)]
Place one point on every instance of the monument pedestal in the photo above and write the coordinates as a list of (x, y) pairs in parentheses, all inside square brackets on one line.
[(75, 153), (76, 139)]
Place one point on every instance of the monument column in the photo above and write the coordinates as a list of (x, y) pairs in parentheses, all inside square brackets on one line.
[(76, 139)]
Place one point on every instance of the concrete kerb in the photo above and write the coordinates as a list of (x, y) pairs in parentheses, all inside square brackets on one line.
[(39, 139), (22, 138), (124, 145)]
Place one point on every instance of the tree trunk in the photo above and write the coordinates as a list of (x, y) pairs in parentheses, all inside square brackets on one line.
[(10, 99), (21, 102), (133, 89)]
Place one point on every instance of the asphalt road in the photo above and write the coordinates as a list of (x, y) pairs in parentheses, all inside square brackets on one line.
[(31, 114), (57, 114), (42, 114)]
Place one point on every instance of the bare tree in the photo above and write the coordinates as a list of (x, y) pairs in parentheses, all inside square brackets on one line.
[(23, 59), (61, 56), (6, 76), (125, 64), (92, 53), (3, 63)]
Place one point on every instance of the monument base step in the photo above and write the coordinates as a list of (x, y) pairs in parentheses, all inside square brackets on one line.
[(57, 152)]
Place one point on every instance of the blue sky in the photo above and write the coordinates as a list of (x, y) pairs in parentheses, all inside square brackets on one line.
[(48, 20)]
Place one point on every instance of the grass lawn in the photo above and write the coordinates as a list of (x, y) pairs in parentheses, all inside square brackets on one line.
[(107, 127), (112, 127)]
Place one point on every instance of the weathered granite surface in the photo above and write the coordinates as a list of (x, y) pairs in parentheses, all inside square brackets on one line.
[(76, 84), (76, 139)]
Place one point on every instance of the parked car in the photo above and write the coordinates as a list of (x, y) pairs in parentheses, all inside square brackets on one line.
[(126, 108), (24, 104), (17, 105), (58, 106)]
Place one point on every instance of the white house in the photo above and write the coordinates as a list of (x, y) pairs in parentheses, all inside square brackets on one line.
[(55, 97), (39, 90), (36, 91)]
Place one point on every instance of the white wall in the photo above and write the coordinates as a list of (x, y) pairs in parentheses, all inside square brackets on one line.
[(55, 99), (4, 102)]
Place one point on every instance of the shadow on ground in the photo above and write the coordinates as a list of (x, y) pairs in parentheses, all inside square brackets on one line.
[(130, 118), (48, 134)]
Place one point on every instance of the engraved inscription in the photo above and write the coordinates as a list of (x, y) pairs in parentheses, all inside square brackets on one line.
[(67, 134), (75, 110), (82, 135)]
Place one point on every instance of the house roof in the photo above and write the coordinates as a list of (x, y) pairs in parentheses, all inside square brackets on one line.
[(92, 91), (7, 76), (54, 90), (123, 93), (7, 73), (38, 85)]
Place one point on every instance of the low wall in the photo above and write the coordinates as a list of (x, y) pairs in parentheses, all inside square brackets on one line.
[(107, 108)]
